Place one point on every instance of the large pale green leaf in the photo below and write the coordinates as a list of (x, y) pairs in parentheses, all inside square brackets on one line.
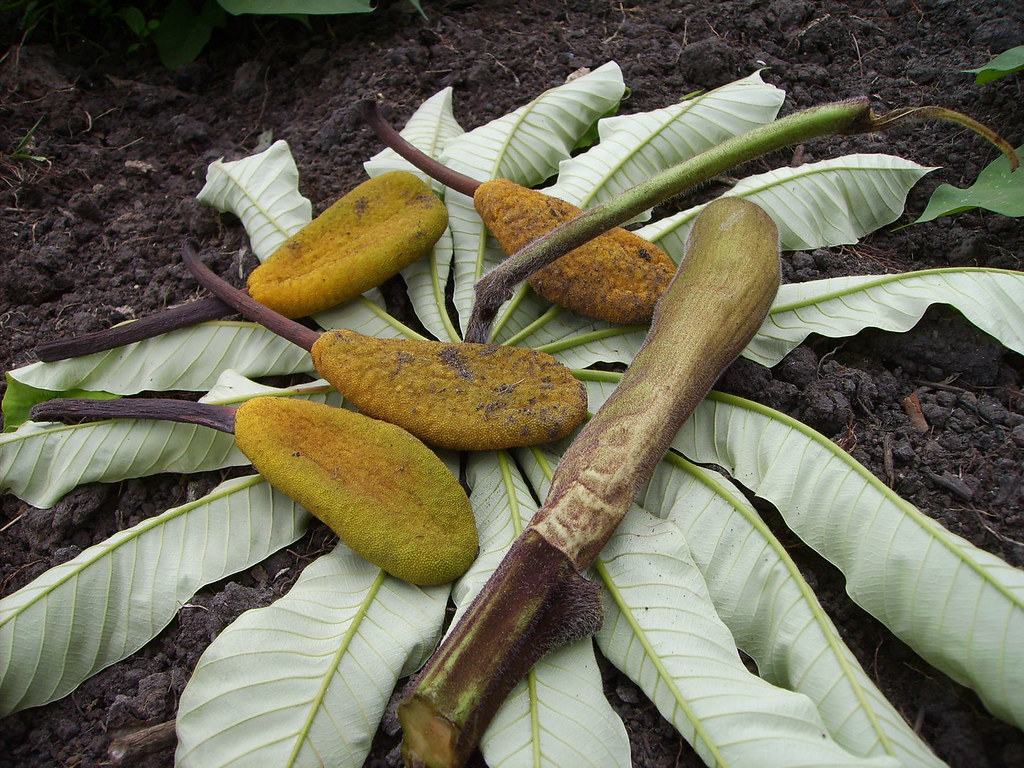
[(843, 306), (773, 613), (662, 630), (305, 681), (525, 146), (105, 604), (558, 715), (634, 147), (367, 315), (40, 462), (959, 607), (189, 359), (263, 191), (832, 202)]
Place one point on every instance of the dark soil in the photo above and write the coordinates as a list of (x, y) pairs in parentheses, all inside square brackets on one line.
[(91, 237)]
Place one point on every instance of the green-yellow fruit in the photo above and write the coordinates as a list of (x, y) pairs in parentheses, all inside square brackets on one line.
[(458, 396), (386, 494), (369, 235), (617, 276)]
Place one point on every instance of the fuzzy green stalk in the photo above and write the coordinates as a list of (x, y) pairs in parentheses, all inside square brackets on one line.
[(538, 597), (837, 119)]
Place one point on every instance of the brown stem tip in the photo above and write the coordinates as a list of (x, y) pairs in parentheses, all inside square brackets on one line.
[(421, 160), (294, 332), (173, 319), (73, 410)]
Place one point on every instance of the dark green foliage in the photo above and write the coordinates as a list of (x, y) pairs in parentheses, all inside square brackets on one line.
[(180, 29)]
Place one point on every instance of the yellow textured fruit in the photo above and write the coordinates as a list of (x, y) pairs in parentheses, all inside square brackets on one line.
[(369, 235), (458, 396), (617, 276), (386, 494)]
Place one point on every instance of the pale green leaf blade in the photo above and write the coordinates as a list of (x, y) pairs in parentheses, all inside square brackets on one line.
[(525, 146), (828, 203), (843, 306), (774, 614), (305, 681), (232, 387), (634, 147), (366, 314), (574, 340), (558, 715), (426, 280), (997, 188), (262, 190), (40, 462), (661, 629), (188, 359), (53, 635), (579, 342), (959, 607), (473, 254)]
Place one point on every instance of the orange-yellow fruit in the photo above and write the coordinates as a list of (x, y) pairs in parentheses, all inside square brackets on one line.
[(617, 276), (458, 396), (386, 494), (369, 235)]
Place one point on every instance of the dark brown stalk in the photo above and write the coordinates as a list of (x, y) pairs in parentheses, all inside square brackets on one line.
[(711, 309), (421, 160), (72, 410), (181, 316), (241, 302)]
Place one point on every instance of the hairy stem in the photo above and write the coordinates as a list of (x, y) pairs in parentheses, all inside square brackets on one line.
[(241, 302), (841, 118), (76, 409), (498, 285)]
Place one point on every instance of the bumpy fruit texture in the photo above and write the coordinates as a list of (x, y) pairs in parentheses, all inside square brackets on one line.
[(369, 235), (458, 396), (617, 276), (386, 494)]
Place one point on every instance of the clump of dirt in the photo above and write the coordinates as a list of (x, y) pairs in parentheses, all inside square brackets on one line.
[(93, 232)]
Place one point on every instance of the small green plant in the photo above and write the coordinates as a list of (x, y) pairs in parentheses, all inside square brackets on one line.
[(691, 576), (1002, 65), (24, 148), (999, 187)]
